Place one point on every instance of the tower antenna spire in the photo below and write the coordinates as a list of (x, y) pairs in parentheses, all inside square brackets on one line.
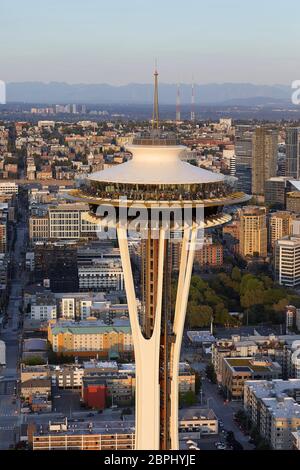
[(155, 119)]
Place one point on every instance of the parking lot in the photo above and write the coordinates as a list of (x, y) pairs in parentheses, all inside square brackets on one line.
[(65, 401)]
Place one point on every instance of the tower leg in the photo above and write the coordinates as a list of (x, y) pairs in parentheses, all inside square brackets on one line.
[(157, 357), (184, 280), (147, 352)]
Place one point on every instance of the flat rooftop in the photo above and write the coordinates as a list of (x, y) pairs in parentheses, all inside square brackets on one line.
[(251, 364), (75, 427), (270, 388)]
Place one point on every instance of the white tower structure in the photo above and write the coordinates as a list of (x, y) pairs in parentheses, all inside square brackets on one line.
[(157, 181)]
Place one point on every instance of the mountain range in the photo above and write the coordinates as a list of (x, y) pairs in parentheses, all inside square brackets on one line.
[(234, 94)]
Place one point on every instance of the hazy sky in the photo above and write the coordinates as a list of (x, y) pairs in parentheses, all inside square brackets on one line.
[(116, 41)]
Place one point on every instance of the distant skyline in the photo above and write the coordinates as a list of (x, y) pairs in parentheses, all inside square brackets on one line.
[(116, 42)]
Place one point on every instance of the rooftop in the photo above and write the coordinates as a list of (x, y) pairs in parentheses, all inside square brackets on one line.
[(282, 407), (86, 427), (271, 388), (89, 327), (196, 413), (156, 164), (252, 365)]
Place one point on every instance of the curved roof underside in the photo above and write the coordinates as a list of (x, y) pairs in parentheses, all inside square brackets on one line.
[(156, 165)]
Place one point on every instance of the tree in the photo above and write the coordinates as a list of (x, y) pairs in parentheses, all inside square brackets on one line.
[(211, 374), (199, 315), (34, 361), (188, 398), (236, 274), (198, 383)]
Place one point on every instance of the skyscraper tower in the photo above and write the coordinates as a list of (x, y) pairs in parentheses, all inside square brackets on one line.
[(178, 104), (159, 185), (293, 153), (264, 160), (193, 116)]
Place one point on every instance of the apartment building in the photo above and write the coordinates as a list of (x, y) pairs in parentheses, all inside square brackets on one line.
[(82, 305), (102, 274), (39, 228), (236, 371), (279, 417), (90, 338), (60, 222), (293, 201), (280, 226), (253, 231), (210, 254), (287, 261), (43, 307), (256, 390)]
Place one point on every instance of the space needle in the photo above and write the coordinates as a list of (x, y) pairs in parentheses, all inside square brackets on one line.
[(157, 181)]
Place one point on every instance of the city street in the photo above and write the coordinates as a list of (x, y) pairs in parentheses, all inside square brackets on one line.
[(10, 417), (224, 411)]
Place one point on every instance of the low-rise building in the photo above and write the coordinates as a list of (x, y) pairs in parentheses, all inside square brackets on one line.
[(109, 435), (102, 274), (256, 390), (91, 338), (33, 387), (270, 346), (40, 403), (43, 307), (200, 420), (279, 418), (34, 372)]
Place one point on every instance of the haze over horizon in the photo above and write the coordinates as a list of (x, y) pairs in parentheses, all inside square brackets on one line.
[(117, 42)]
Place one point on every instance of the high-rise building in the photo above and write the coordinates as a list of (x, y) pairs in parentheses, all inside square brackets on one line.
[(293, 202), (280, 225), (264, 161), (253, 231), (276, 189), (293, 152), (156, 181), (287, 261), (243, 153)]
